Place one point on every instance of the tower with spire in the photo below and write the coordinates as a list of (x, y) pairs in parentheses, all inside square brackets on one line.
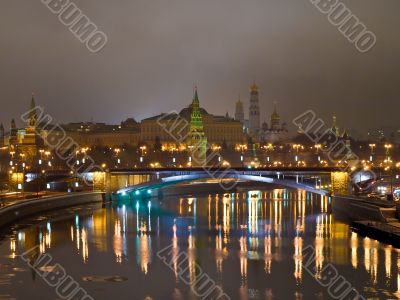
[(254, 111), (26, 140), (32, 113), (1, 135), (197, 140), (334, 128), (30, 134), (239, 111), (13, 133)]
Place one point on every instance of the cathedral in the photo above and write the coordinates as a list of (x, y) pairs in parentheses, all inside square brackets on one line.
[(275, 132)]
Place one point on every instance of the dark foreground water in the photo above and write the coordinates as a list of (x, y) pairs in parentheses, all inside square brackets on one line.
[(248, 245)]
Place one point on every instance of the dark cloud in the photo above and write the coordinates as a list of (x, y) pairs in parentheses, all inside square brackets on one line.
[(158, 49)]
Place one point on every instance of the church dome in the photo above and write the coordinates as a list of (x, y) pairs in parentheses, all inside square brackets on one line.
[(275, 116), (254, 88)]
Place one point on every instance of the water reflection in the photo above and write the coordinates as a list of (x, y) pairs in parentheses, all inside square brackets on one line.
[(243, 240)]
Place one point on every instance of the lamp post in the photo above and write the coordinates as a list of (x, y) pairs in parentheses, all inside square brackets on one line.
[(117, 151), (318, 147), (296, 157), (173, 149), (372, 146), (47, 154), (242, 147), (23, 173), (268, 148), (142, 148), (218, 149), (388, 147)]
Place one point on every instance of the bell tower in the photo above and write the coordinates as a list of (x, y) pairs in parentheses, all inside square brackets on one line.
[(254, 112), (239, 111)]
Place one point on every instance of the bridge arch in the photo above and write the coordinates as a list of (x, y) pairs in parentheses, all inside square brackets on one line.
[(228, 184)]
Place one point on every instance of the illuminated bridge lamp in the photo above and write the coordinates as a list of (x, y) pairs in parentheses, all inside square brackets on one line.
[(149, 192), (137, 192)]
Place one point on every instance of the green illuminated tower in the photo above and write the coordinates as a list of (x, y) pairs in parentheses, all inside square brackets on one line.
[(197, 140)]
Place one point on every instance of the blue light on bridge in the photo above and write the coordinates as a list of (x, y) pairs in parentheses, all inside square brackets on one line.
[(149, 192), (137, 192)]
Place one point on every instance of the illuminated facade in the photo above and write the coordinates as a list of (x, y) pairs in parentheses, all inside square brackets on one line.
[(101, 134), (172, 129)]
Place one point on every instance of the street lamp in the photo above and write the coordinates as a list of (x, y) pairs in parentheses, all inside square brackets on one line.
[(218, 149), (296, 158), (23, 173), (372, 146), (242, 147), (388, 147), (142, 148), (117, 151)]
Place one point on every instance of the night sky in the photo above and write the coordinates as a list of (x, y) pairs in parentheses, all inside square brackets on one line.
[(158, 49)]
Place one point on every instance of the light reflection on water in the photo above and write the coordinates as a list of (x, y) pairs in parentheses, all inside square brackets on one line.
[(250, 243)]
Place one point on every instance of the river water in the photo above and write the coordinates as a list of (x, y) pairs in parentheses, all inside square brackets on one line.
[(248, 245)]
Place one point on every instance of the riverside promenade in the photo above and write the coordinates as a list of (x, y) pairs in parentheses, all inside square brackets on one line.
[(13, 210)]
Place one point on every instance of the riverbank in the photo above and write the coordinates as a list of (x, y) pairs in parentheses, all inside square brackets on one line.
[(25, 208), (374, 218), (360, 209)]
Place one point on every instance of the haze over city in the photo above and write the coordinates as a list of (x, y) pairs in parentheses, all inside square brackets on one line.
[(158, 50)]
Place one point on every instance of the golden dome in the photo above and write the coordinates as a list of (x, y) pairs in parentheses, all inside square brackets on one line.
[(254, 88), (275, 116)]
